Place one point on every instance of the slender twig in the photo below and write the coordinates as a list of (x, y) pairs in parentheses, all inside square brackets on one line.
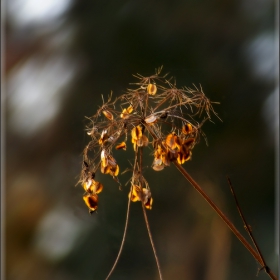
[(247, 227), (225, 219), (147, 222), (151, 239), (123, 240), (125, 228)]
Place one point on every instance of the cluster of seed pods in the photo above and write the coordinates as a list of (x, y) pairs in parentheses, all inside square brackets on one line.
[(156, 115)]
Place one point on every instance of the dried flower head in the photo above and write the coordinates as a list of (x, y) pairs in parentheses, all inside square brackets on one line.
[(155, 112)]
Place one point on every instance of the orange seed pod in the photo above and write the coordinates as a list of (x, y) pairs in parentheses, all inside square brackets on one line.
[(108, 115), (152, 89)]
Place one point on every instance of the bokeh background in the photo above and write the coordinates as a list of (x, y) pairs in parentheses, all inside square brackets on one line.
[(59, 57)]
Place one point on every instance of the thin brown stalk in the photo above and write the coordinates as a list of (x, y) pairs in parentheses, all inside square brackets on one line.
[(151, 240), (247, 227), (125, 228), (123, 240), (147, 222), (225, 219)]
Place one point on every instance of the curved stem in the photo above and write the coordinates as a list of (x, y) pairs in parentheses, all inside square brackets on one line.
[(151, 239), (123, 239), (226, 220), (146, 219)]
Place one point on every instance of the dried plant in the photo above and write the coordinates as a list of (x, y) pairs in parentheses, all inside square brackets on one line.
[(156, 114)]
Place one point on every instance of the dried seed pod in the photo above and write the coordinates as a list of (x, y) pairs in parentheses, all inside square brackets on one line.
[(157, 167), (136, 133), (173, 141), (152, 89), (108, 115), (134, 195), (147, 198), (93, 187), (104, 137), (187, 129), (91, 200), (121, 146), (125, 112), (143, 141), (150, 119)]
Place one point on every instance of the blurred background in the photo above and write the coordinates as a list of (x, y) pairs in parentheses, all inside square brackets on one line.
[(59, 57)]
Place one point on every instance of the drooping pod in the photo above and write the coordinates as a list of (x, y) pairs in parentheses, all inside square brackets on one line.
[(138, 194), (173, 141), (91, 200), (138, 138)]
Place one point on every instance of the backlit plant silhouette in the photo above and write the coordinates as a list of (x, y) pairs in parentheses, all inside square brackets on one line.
[(153, 114)]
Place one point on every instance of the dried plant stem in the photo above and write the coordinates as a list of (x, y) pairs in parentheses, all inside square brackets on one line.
[(122, 243), (247, 227), (226, 220), (147, 222), (151, 239), (125, 229)]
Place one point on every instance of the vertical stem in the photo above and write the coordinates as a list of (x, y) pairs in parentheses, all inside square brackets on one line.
[(146, 218), (225, 219)]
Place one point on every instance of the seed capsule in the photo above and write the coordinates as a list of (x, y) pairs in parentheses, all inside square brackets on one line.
[(92, 186), (187, 129), (150, 119), (91, 200), (173, 141), (125, 113), (152, 89), (121, 146), (108, 115)]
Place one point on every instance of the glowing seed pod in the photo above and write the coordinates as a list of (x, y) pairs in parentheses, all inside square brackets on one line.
[(114, 170), (134, 195), (172, 141), (91, 201), (121, 146), (152, 89), (125, 112), (96, 187), (136, 133), (187, 129), (108, 115), (149, 203)]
